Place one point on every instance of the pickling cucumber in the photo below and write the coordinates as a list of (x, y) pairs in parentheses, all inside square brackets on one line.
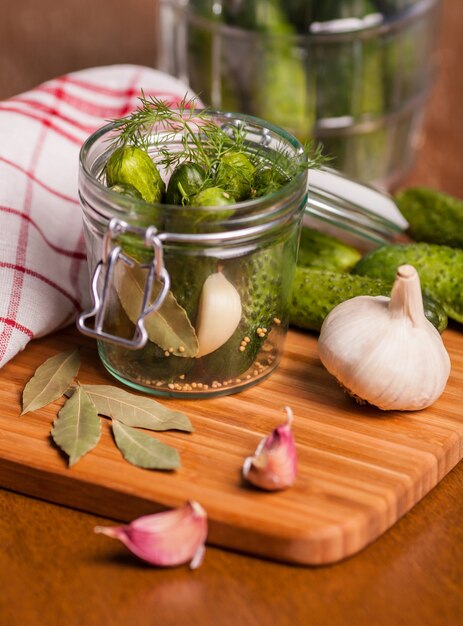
[(322, 251), (263, 281), (440, 269), (316, 292), (133, 166), (433, 216)]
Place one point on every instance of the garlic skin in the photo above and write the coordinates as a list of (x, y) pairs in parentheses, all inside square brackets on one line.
[(383, 350), (273, 466), (165, 539), (219, 313)]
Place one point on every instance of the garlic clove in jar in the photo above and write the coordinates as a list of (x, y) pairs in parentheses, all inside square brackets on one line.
[(219, 313), (383, 350)]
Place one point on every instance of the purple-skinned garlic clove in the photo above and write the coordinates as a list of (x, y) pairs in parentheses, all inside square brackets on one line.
[(165, 539), (274, 464)]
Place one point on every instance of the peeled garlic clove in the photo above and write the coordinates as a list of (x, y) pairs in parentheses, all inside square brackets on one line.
[(274, 464), (383, 350), (165, 539), (219, 313)]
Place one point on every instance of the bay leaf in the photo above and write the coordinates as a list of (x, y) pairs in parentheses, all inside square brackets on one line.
[(142, 450), (169, 326), (136, 411), (50, 380), (77, 428)]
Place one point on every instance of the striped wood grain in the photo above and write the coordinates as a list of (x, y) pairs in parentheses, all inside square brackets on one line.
[(359, 469)]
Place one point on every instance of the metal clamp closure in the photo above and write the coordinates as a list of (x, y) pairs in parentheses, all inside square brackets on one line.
[(103, 278)]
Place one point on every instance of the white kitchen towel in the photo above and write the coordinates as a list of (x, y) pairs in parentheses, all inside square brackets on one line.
[(43, 271)]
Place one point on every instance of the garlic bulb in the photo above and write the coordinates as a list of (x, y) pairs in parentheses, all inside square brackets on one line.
[(383, 350), (219, 313)]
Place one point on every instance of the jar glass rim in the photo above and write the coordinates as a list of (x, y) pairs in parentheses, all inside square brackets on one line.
[(240, 208)]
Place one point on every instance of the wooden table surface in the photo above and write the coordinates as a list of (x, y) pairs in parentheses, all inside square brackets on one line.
[(54, 570)]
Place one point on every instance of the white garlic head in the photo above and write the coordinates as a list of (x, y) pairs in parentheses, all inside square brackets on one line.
[(383, 350)]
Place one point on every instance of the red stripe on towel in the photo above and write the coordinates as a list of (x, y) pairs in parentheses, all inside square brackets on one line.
[(16, 326), (21, 270), (48, 110), (106, 111), (46, 122), (18, 276), (32, 177), (100, 111), (74, 254)]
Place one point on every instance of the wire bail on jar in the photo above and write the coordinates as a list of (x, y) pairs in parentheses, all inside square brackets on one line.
[(104, 273)]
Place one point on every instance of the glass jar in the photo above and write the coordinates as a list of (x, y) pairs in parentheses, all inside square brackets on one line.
[(353, 75), (150, 263)]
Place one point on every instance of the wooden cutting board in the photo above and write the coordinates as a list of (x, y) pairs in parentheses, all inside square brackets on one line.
[(360, 469)]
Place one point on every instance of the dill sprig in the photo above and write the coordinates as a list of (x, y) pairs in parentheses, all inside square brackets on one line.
[(315, 155), (199, 139), (152, 113), (156, 124), (271, 173)]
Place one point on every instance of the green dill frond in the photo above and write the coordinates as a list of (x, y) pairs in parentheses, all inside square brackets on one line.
[(153, 115), (188, 134), (315, 156)]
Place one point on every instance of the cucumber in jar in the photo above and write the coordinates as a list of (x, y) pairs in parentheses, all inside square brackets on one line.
[(263, 280), (209, 172)]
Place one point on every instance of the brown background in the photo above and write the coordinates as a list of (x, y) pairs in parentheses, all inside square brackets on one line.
[(53, 570), (41, 39)]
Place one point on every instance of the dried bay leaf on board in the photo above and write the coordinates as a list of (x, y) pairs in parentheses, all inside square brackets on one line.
[(169, 326), (77, 429), (136, 411), (142, 450), (50, 380)]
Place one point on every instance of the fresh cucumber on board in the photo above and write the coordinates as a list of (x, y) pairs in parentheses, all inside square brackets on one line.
[(440, 269), (316, 292), (434, 216)]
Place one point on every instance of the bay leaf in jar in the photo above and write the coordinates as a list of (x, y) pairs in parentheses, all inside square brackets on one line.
[(169, 327)]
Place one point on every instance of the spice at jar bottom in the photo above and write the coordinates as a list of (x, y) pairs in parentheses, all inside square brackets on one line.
[(218, 380)]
